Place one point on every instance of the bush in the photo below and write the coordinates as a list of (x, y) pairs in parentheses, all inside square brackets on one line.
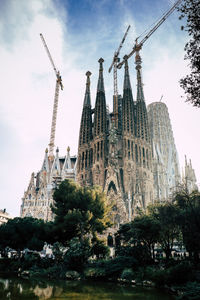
[(95, 273), (191, 291), (159, 277), (77, 255), (112, 268), (179, 274), (127, 274), (139, 253)]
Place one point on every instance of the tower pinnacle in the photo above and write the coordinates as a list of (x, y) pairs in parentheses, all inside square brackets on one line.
[(138, 62), (127, 105), (127, 84), (100, 86), (87, 91)]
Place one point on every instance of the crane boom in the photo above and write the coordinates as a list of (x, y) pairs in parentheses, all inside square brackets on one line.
[(48, 53), (114, 66), (118, 50), (56, 96), (137, 46)]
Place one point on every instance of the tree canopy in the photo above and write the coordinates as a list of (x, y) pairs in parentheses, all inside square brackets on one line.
[(79, 211), (190, 10), (20, 233)]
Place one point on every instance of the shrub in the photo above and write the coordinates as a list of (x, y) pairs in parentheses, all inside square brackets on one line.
[(77, 255), (127, 274), (181, 273), (191, 291)]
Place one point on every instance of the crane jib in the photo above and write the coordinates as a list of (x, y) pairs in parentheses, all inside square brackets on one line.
[(139, 46)]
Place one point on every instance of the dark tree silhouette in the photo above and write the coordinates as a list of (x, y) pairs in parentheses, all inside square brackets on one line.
[(190, 10)]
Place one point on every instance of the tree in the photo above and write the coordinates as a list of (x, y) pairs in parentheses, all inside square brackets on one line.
[(190, 9), (142, 230), (20, 233), (146, 229), (189, 220), (79, 212), (100, 249), (167, 216)]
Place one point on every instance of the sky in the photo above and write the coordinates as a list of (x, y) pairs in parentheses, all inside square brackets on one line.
[(78, 33)]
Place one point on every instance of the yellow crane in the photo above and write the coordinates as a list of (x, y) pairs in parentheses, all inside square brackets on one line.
[(137, 47), (55, 106), (114, 66)]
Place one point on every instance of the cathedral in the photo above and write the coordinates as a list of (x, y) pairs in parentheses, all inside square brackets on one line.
[(130, 153), (117, 155)]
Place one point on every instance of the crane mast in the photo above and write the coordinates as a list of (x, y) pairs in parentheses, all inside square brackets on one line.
[(56, 96), (137, 47), (114, 66)]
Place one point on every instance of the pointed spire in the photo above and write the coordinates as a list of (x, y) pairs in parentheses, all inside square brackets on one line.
[(87, 100), (127, 84), (100, 115), (56, 164), (45, 166), (100, 85), (141, 110), (85, 134), (140, 93), (68, 160), (127, 103)]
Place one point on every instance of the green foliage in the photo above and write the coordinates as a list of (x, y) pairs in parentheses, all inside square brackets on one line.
[(189, 220), (79, 211), (167, 215), (100, 249), (20, 233), (139, 254), (180, 273), (109, 269), (146, 229), (128, 275), (190, 291), (58, 251), (77, 255), (191, 83), (143, 230)]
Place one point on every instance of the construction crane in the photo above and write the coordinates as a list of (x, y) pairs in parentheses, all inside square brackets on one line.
[(114, 66), (137, 47), (55, 106)]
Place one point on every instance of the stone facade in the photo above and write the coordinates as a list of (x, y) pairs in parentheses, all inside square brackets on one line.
[(165, 158), (117, 155), (38, 197)]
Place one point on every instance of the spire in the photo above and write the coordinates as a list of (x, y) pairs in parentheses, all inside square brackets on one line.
[(67, 163), (127, 84), (56, 164), (100, 104), (100, 85), (87, 100), (140, 93), (127, 104), (85, 134), (142, 126), (45, 166)]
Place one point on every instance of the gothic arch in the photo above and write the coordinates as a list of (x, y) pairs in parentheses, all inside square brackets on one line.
[(112, 186)]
